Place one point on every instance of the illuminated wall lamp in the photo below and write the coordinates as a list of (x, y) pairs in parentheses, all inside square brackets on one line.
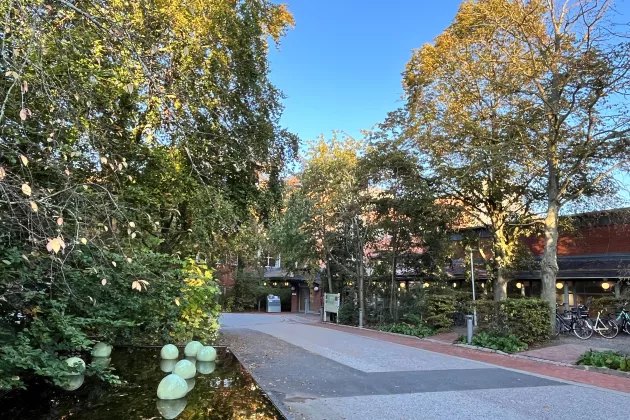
[(559, 285), (605, 285)]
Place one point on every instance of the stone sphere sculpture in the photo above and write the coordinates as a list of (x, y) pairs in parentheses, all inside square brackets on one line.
[(192, 348), (206, 368), (191, 383), (167, 365), (73, 382), (185, 369), (207, 354), (172, 387), (169, 409), (102, 350), (76, 363), (169, 352)]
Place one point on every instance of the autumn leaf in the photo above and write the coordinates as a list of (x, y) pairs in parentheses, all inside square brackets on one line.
[(24, 160), (60, 221), (104, 282), (26, 189), (83, 241), (34, 206), (114, 263), (3, 173), (23, 114), (129, 260), (103, 160), (177, 301), (25, 86), (133, 235), (132, 224), (129, 88), (55, 245)]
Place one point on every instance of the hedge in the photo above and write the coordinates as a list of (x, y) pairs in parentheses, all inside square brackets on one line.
[(527, 319)]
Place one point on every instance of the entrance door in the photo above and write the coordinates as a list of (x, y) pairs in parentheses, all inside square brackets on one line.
[(304, 300)]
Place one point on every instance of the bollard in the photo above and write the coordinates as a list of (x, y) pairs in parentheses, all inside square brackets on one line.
[(469, 327)]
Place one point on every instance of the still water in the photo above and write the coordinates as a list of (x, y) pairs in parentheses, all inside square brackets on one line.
[(219, 390)]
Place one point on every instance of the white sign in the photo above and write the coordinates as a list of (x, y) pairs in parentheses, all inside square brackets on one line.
[(331, 302)]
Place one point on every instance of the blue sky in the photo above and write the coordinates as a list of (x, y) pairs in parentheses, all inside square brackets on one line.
[(340, 67)]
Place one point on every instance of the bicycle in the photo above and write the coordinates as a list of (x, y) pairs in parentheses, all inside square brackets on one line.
[(570, 321), (623, 320), (609, 328)]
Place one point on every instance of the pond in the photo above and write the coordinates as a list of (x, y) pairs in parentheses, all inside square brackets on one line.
[(220, 390)]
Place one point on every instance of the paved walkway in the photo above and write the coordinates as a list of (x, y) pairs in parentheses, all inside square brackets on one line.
[(320, 371)]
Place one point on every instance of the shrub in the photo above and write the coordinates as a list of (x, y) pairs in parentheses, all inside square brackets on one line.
[(439, 310), (609, 359), (348, 313), (408, 329), (505, 343), (527, 319)]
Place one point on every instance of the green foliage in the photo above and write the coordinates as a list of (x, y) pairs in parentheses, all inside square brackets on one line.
[(609, 359), (417, 330), (123, 163), (348, 313), (439, 310), (527, 319), (495, 341)]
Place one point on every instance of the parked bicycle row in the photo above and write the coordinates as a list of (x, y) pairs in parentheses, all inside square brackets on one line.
[(580, 322)]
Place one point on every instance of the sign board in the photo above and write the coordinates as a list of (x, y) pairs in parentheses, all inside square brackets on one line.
[(331, 302)]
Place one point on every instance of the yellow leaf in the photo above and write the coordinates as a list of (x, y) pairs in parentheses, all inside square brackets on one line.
[(104, 282), (177, 301), (23, 114), (55, 245), (24, 160), (60, 221), (129, 260), (3, 173), (132, 224), (133, 235), (26, 189), (103, 160), (34, 206), (129, 88), (83, 241)]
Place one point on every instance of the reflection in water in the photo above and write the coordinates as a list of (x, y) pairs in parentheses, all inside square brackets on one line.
[(73, 382), (169, 409), (167, 365), (206, 368), (191, 359), (190, 383), (222, 390), (101, 362)]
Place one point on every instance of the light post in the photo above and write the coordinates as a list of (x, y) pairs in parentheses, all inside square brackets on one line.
[(472, 277)]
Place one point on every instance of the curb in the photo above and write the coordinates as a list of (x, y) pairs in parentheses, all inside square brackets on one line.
[(605, 371)]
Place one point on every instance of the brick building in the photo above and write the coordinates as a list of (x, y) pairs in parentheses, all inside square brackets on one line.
[(593, 258)]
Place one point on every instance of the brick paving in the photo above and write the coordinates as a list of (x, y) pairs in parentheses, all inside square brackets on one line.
[(540, 368), (563, 353)]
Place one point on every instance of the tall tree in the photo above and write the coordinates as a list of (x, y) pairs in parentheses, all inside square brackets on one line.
[(464, 116), (574, 70), (409, 226)]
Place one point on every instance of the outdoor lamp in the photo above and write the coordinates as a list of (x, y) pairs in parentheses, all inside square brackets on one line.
[(454, 284), (286, 283), (402, 284), (605, 285), (559, 285), (519, 285)]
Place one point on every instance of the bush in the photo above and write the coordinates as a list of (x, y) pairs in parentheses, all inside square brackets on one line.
[(609, 359), (408, 329), (348, 313), (527, 319), (505, 343), (439, 310)]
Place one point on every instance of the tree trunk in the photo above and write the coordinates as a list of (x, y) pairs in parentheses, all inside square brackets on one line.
[(393, 298), (549, 262), (329, 275), (500, 285)]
